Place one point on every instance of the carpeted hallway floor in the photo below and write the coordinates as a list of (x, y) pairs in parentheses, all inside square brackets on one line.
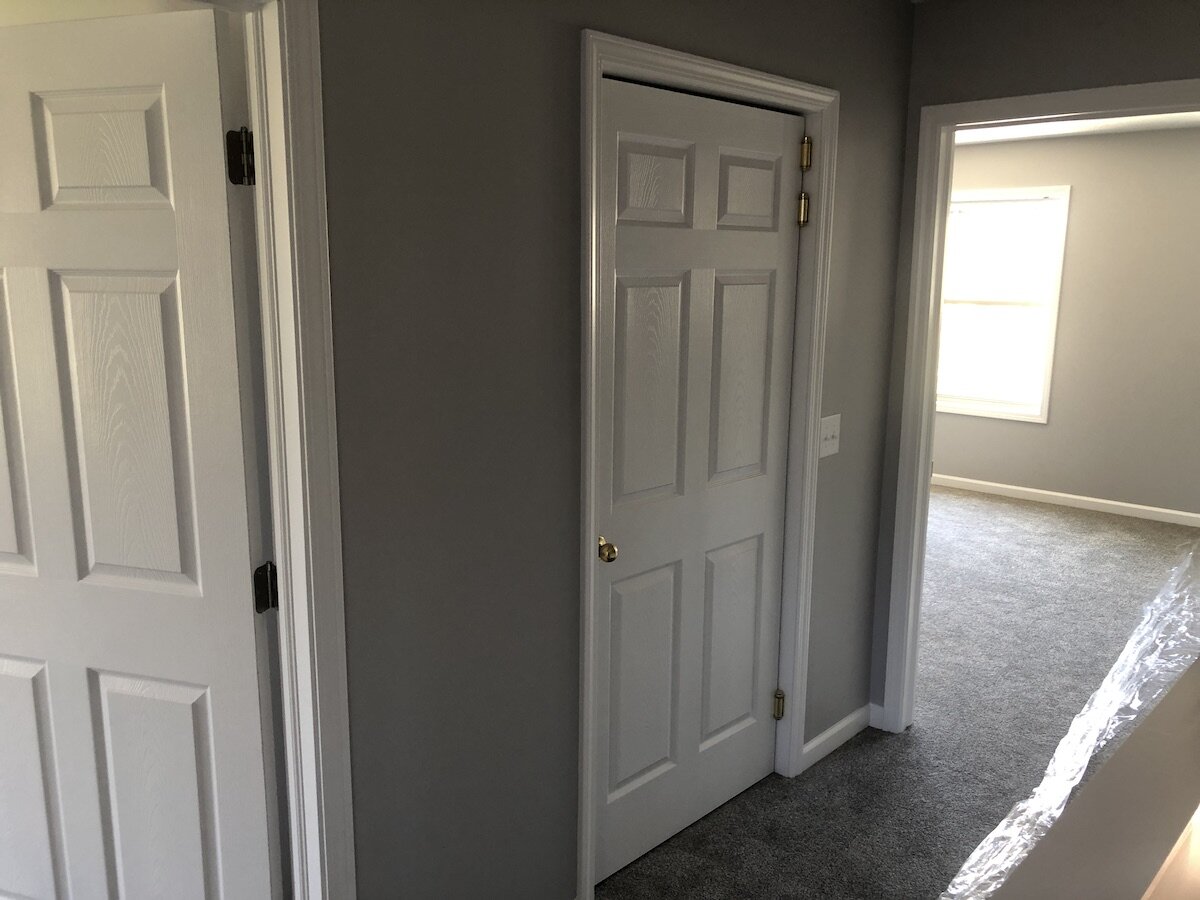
[(1025, 608)]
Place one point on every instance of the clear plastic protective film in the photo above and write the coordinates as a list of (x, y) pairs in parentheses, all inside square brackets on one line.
[(1160, 650)]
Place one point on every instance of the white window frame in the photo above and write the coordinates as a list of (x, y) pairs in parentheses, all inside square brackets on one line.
[(975, 406)]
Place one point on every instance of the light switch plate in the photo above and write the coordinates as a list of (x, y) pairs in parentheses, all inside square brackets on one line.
[(831, 434)]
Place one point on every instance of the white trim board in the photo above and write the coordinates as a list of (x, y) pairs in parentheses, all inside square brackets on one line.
[(1057, 498), (876, 717), (283, 61), (606, 55), (1077, 128), (834, 736), (900, 585)]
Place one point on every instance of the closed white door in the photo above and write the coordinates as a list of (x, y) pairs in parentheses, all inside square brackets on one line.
[(698, 254), (131, 760)]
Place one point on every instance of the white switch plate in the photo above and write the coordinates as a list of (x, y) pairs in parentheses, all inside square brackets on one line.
[(831, 434)]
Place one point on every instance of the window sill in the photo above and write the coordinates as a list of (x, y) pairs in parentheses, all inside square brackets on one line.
[(983, 411)]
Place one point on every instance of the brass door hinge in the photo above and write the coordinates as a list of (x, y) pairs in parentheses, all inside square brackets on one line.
[(780, 700), (806, 148), (802, 210)]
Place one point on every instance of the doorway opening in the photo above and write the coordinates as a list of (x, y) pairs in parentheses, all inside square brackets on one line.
[(1046, 340)]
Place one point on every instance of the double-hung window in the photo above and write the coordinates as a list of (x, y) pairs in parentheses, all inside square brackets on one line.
[(1001, 274)]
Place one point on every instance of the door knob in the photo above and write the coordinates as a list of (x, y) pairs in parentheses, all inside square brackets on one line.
[(608, 550)]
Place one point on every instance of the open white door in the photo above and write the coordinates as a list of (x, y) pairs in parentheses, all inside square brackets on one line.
[(131, 759), (698, 255)]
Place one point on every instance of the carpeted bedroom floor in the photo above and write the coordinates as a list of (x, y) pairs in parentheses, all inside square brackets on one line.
[(1025, 608)]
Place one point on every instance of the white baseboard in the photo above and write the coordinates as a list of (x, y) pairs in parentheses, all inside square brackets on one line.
[(1157, 514), (833, 737)]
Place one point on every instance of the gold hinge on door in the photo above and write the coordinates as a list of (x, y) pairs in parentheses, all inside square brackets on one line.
[(806, 148), (780, 700), (802, 210)]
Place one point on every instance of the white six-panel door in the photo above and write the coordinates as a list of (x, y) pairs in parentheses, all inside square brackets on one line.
[(698, 252), (130, 746)]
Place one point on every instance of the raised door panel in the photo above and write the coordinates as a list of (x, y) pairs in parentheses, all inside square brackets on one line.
[(654, 181), (748, 191), (30, 839), (102, 149), (10, 542), (643, 674), (649, 390), (121, 369), (743, 329), (16, 552), (732, 610), (157, 799)]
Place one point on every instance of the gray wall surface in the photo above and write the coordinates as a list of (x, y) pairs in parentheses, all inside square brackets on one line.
[(452, 145), (1124, 419), (981, 49)]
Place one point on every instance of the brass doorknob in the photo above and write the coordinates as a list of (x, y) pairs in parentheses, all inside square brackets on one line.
[(608, 550)]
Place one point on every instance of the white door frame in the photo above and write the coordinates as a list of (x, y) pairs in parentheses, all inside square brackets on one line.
[(283, 63), (935, 164), (606, 55)]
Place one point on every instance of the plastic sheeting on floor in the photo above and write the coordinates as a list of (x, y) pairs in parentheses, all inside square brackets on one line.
[(1160, 650)]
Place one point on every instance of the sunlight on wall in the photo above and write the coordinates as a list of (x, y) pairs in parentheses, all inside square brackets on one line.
[(1179, 878)]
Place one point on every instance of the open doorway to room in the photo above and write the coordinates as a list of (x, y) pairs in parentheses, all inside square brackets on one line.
[(1047, 465), (1064, 468)]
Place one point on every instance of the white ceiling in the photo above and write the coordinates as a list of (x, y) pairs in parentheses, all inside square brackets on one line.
[(1024, 131)]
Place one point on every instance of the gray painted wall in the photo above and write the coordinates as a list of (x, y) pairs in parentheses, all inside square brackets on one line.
[(981, 49), (452, 148), (1124, 419)]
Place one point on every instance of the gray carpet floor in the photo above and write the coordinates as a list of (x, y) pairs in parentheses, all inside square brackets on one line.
[(1025, 608)]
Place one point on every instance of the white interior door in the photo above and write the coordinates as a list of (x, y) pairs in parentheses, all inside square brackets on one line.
[(698, 254), (131, 759)]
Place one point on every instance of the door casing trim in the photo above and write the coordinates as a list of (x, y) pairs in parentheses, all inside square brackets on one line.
[(619, 57), (900, 593), (284, 73)]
